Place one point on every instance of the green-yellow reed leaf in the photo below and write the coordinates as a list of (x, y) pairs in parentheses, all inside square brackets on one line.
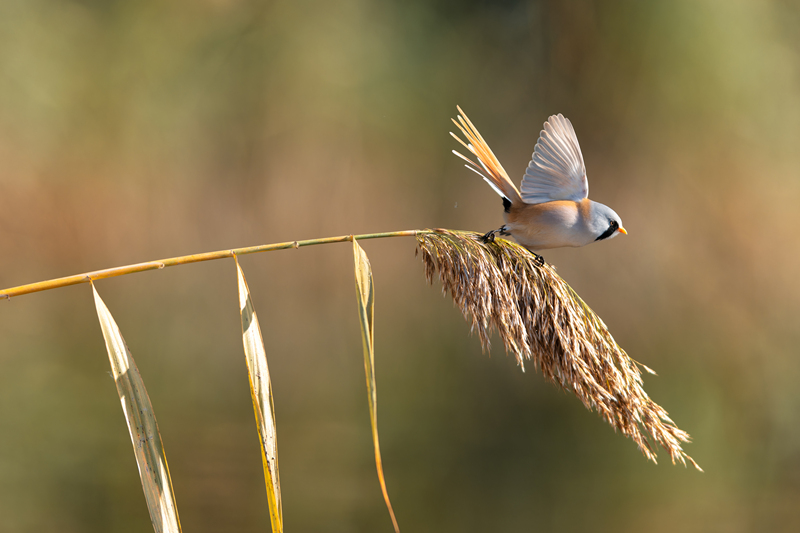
[(142, 426), (366, 311), (261, 393)]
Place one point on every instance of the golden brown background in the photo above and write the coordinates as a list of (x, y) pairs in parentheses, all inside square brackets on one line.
[(132, 131)]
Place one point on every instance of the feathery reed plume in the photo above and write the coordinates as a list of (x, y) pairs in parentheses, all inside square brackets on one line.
[(502, 286)]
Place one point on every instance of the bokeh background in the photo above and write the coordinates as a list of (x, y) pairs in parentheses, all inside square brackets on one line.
[(132, 131)]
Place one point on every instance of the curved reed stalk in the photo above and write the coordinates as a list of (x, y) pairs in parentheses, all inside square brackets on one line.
[(185, 260), (502, 286)]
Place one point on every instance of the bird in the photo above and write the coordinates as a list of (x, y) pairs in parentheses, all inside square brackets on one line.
[(551, 209)]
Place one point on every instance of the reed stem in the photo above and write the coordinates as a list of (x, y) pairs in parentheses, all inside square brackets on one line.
[(186, 259)]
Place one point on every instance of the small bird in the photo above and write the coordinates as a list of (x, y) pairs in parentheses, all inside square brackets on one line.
[(551, 209)]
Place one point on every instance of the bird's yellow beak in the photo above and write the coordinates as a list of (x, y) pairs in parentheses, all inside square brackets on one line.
[(623, 230)]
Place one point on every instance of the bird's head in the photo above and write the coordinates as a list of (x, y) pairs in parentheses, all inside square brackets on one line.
[(604, 222)]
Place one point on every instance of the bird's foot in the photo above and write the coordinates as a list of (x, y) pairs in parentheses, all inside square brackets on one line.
[(489, 237), (538, 259)]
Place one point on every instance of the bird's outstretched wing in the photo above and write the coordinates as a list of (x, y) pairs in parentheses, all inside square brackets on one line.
[(556, 171)]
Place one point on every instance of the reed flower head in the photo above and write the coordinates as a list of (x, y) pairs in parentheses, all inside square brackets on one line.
[(501, 286)]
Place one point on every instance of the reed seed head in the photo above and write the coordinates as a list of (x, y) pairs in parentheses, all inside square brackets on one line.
[(500, 286)]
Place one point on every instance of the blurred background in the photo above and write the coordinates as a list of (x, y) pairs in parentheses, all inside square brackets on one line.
[(132, 131)]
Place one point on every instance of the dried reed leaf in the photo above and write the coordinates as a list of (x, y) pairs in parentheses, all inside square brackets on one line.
[(142, 426), (501, 286), (261, 394), (366, 311)]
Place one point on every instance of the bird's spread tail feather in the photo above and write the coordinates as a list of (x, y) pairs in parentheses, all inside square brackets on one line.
[(488, 167)]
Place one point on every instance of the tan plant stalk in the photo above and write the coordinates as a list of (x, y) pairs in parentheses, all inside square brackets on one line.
[(502, 286), (158, 264)]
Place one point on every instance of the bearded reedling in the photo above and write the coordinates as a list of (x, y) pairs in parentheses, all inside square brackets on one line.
[(551, 209)]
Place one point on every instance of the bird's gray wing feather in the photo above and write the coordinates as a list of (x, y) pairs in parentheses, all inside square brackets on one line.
[(556, 171)]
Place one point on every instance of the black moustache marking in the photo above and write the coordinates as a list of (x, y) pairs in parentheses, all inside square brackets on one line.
[(506, 204), (612, 227)]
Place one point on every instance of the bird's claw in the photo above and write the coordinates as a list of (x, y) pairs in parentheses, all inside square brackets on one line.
[(489, 236)]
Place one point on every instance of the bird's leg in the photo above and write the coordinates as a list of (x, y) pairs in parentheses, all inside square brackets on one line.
[(489, 237), (538, 259), (503, 230)]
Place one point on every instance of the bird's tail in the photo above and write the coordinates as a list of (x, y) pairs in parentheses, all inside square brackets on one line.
[(488, 167)]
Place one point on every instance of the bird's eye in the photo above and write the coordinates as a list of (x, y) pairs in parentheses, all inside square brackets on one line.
[(613, 226)]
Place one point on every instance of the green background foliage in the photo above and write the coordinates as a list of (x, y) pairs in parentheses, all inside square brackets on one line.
[(132, 131)]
